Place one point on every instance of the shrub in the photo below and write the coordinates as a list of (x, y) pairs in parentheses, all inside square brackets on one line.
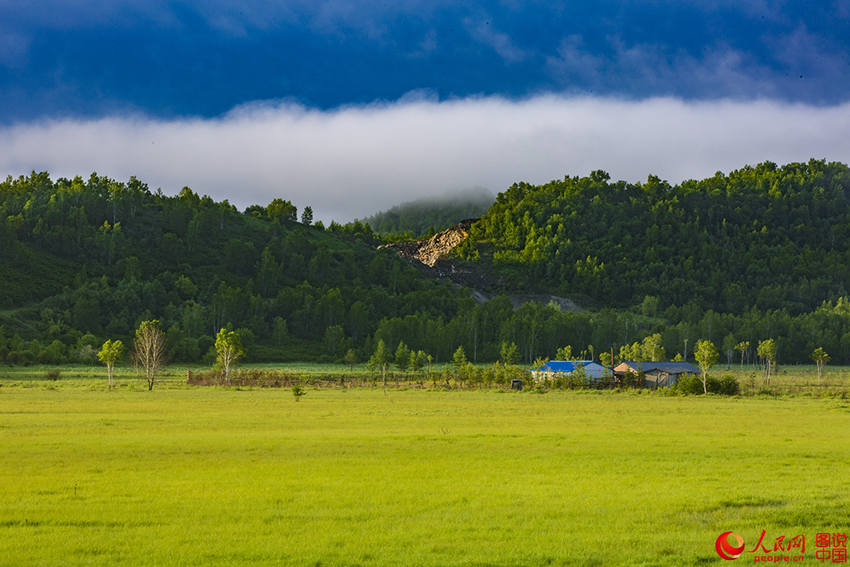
[(689, 384), (712, 384), (20, 357), (692, 384), (729, 386)]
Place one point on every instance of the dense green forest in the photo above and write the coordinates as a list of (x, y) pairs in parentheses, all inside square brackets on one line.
[(763, 251), (424, 217), (759, 253), (85, 260), (767, 237)]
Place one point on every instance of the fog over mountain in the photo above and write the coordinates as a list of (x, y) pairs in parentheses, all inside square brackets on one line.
[(352, 161)]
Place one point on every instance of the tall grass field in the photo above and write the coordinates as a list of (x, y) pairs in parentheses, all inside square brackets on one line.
[(219, 476)]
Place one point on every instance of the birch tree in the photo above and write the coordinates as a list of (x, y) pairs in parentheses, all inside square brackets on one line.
[(820, 357), (228, 350), (109, 353), (767, 352), (706, 356), (149, 349)]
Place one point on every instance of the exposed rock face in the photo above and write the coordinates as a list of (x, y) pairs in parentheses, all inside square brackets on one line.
[(431, 255), (439, 245)]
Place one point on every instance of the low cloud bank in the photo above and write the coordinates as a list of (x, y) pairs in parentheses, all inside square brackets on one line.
[(354, 161)]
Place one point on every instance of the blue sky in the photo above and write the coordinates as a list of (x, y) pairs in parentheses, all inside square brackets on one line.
[(117, 69), (168, 59)]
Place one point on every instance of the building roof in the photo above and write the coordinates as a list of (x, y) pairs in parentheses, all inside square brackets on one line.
[(566, 366), (668, 367)]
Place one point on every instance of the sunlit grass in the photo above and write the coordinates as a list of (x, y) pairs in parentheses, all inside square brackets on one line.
[(213, 476), (790, 380)]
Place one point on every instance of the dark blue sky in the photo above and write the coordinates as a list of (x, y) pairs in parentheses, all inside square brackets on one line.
[(352, 107), (177, 59)]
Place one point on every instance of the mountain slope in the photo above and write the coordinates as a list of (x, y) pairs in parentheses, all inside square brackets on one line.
[(760, 253), (765, 236), (93, 258), (428, 216)]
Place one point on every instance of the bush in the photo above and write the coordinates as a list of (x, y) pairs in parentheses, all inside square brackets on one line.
[(689, 384), (54, 353), (712, 384), (692, 385), (20, 357), (729, 386)]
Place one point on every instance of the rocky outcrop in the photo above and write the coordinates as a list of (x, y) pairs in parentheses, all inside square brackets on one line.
[(441, 244), (430, 256)]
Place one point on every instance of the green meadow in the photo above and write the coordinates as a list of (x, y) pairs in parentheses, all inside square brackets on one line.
[(221, 476)]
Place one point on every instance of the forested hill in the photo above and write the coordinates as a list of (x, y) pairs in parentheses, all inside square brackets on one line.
[(425, 217), (763, 237), (760, 253), (82, 260)]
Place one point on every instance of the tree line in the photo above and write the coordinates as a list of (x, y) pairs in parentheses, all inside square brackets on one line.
[(86, 260)]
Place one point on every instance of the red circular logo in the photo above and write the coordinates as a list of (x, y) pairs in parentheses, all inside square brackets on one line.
[(725, 549)]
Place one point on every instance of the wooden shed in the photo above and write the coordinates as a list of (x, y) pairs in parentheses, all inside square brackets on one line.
[(656, 374)]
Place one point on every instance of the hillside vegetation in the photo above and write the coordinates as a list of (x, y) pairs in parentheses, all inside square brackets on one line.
[(425, 217), (767, 237), (86, 260), (760, 253), (81, 260)]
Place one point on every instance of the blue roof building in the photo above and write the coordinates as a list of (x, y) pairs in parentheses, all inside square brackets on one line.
[(591, 369)]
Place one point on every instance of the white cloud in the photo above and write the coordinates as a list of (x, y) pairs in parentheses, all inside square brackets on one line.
[(660, 69), (501, 43), (352, 161)]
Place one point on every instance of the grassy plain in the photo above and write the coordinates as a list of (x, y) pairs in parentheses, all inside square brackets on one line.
[(215, 476)]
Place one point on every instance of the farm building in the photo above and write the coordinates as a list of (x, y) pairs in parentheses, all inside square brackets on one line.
[(553, 368), (656, 374)]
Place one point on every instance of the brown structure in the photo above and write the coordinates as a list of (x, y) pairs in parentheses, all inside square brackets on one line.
[(655, 374)]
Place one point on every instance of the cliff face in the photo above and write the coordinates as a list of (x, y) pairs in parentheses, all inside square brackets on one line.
[(439, 245)]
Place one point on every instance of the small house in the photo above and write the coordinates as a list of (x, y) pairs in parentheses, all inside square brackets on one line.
[(554, 368), (655, 374)]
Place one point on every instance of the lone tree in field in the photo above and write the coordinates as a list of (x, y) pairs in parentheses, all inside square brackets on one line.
[(820, 357), (706, 356), (149, 349), (767, 352), (228, 350), (109, 353)]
